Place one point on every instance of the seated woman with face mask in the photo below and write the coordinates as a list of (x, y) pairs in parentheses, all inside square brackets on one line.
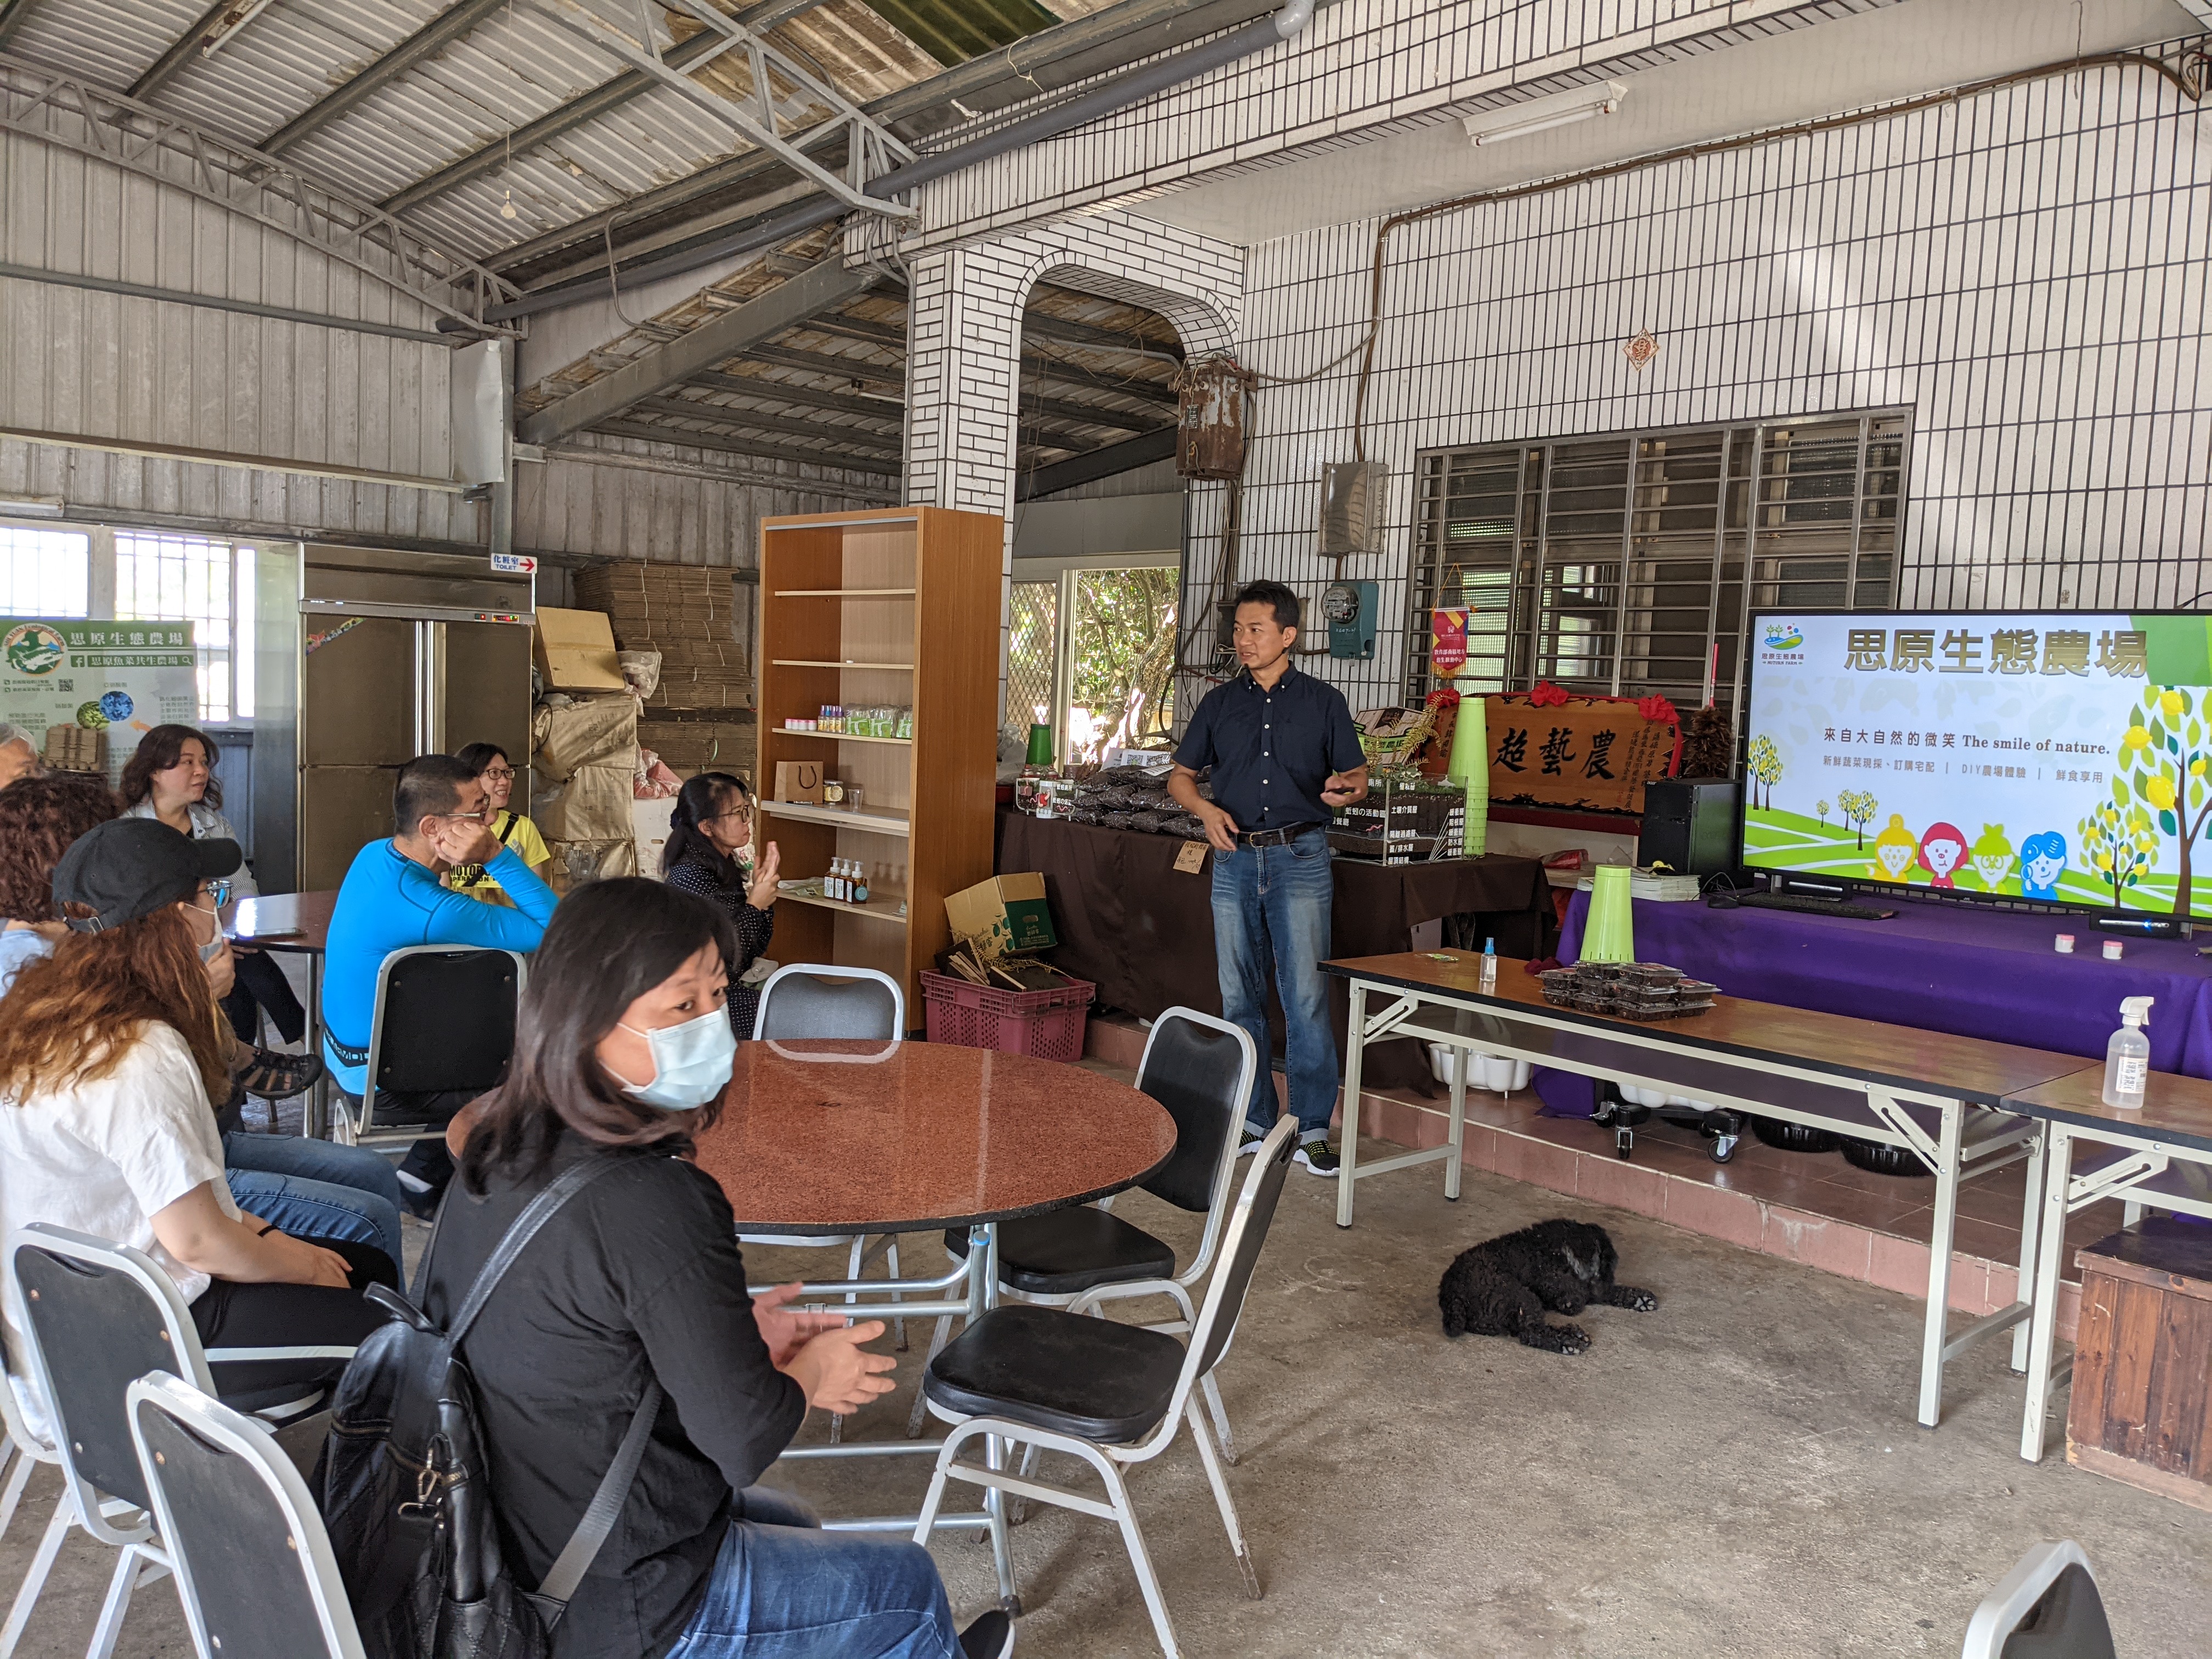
[(623, 1052)]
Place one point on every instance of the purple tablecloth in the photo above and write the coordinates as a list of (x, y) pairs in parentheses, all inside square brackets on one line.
[(1971, 972)]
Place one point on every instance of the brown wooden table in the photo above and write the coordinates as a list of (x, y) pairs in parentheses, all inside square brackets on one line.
[(829, 1137), (299, 923), (1947, 1099), (2160, 1156), (832, 1137), (1142, 930)]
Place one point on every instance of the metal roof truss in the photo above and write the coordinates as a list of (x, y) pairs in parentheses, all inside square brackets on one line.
[(871, 148), (77, 115)]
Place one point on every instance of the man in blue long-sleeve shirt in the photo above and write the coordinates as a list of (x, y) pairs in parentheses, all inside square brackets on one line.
[(393, 897)]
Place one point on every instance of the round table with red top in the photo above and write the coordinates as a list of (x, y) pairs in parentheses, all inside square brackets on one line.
[(820, 1138)]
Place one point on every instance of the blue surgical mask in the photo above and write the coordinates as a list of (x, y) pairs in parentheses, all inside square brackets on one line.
[(691, 1062)]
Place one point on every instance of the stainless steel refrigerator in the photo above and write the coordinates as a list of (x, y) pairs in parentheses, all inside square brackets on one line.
[(364, 658)]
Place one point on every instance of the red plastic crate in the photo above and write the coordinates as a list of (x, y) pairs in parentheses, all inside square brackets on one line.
[(1047, 1024)]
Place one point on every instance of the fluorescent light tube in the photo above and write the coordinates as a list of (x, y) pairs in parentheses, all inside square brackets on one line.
[(1544, 115)]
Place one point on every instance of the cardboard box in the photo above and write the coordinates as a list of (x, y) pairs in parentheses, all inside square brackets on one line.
[(799, 780), (576, 651), (1006, 914), (651, 818)]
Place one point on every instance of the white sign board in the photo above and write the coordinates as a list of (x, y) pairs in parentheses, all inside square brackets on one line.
[(121, 678)]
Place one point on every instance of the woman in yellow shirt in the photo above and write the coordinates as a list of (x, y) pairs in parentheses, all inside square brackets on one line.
[(496, 773)]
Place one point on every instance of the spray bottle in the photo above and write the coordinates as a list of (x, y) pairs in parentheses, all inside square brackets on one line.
[(2127, 1056), (1489, 966)]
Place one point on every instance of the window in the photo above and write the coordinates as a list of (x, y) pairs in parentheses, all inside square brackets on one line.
[(208, 584), (1625, 566), (45, 573)]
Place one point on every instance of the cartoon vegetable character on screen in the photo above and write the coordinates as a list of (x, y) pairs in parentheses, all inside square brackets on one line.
[(2042, 861), (1895, 849), (1993, 857), (1941, 849)]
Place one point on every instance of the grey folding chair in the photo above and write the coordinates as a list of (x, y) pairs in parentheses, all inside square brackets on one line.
[(27, 1450), (253, 1564), (2046, 1607), (803, 1000), (1201, 1069), (443, 1023), (97, 1317), (1113, 1396)]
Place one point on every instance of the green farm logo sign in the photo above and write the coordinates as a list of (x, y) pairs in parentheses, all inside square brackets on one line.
[(34, 648)]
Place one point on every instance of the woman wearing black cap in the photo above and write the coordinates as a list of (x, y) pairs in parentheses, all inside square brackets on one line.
[(108, 1056)]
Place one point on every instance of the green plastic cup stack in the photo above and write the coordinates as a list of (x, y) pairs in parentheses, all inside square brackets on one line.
[(1040, 746), (1470, 766), (1609, 933)]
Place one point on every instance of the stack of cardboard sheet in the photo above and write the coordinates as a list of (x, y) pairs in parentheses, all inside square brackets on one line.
[(700, 714)]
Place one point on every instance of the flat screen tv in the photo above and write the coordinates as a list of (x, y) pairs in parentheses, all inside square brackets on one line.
[(2062, 757)]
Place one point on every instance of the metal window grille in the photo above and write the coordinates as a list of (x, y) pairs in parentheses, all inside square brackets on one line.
[(45, 573), (208, 584), (1032, 659), (1628, 565)]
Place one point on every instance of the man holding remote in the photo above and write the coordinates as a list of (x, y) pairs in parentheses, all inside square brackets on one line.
[(1285, 755)]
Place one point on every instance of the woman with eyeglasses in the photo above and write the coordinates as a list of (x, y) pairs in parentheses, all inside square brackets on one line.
[(170, 777), (111, 1054), (513, 829), (710, 853)]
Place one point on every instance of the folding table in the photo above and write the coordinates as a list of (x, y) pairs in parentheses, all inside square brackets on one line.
[(1938, 1096), (299, 924), (2159, 1157)]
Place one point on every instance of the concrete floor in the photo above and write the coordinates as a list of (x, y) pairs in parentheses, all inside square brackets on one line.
[(1737, 1473)]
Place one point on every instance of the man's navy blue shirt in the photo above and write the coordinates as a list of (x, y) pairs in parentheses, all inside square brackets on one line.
[(1272, 752)]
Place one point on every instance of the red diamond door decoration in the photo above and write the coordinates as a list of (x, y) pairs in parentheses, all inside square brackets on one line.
[(1640, 350)]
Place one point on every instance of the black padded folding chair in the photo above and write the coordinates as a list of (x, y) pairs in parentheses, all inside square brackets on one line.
[(1112, 1395), (1201, 1069), (253, 1564), (443, 1025), (2046, 1607), (97, 1315)]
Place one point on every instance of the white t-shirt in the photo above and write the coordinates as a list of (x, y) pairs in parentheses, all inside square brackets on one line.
[(102, 1157)]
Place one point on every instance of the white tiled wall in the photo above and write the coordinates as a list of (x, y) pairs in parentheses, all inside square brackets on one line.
[(2026, 270), (1361, 67)]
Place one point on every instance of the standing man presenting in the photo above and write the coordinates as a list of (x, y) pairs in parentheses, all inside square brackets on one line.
[(1284, 754)]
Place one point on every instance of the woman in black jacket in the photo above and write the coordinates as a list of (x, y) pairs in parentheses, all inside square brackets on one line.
[(710, 853), (623, 1052)]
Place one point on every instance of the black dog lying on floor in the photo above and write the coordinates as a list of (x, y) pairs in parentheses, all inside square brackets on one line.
[(1504, 1287)]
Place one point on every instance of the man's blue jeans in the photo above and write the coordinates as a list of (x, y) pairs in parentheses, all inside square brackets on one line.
[(1271, 910), (783, 1589), (317, 1189)]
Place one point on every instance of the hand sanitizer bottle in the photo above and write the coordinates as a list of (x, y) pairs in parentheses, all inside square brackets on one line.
[(860, 882), (1489, 964), (2127, 1056)]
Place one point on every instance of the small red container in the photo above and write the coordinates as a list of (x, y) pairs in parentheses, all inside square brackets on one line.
[(1047, 1024)]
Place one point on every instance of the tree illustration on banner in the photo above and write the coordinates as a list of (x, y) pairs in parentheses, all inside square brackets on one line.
[(1763, 763), (1823, 809), (2162, 762), (2119, 843), (1859, 807)]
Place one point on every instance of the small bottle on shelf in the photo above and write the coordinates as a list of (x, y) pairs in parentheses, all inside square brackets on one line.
[(860, 882)]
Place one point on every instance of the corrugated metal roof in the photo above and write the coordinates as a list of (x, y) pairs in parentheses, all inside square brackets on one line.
[(515, 66)]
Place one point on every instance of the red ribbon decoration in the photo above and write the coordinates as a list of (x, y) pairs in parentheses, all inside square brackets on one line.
[(1547, 696), (1659, 711), (1442, 697)]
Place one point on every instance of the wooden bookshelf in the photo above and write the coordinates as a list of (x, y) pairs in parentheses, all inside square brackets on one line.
[(898, 607)]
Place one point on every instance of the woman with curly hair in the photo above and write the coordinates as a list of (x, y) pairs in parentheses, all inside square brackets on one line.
[(39, 817), (171, 778), (111, 1054)]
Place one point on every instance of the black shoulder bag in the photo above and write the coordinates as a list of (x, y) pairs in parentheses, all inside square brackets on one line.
[(402, 1484)]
